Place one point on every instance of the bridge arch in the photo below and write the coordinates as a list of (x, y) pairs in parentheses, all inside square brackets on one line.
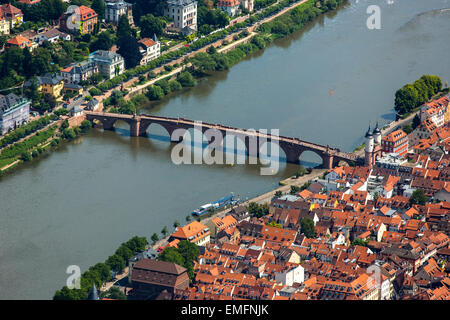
[(311, 159)]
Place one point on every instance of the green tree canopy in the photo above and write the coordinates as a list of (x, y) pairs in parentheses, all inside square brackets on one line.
[(171, 254), (116, 263), (104, 42), (123, 27), (99, 7), (114, 293), (151, 25), (418, 197), (307, 227), (130, 51)]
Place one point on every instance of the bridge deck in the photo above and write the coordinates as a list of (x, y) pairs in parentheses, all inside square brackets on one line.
[(192, 123)]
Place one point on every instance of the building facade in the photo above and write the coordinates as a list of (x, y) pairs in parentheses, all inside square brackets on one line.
[(231, 7), (5, 27), (248, 5), (183, 13), (194, 232), (12, 14), (373, 150), (82, 21), (150, 49), (395, 142), (114, 9), (14, 112), (80, 71), (20, 42), (110, 64), (150, 277)]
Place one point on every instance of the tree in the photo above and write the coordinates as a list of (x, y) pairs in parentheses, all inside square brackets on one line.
[(137, 244), (123, 27), (103, 270), (190, 252), (164, 231), (154, 238), (176, 224), (407, 128), (174, 85), (104, 42), (416, 121), (360, 242), (99, 7), (211, 50), (188, 218), (26, 156), (406, 99), (274, 224), (116, 263), (186, 79), (155, 93), (294, 189), (418, 197), (3, 40), (307, 227), (114, 293), (151, 25), (129, 50), (278, 194), (205, 29), (171, 254), (258, 210), (69, 134), (124, 252), (204, 62), (433, 82)]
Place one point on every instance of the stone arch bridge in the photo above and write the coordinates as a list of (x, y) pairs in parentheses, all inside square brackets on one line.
[(292, 147)]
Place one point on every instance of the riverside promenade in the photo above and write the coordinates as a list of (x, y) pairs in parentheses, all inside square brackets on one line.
[(260, 199)]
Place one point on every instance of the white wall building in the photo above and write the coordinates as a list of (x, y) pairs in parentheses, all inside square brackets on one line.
[(114, 9), (150, 49), (183, 13), (109, 64), (291, 276)]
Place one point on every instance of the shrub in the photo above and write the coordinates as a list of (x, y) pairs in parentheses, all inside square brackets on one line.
[(95, 92), (186, 79), (155, 93)]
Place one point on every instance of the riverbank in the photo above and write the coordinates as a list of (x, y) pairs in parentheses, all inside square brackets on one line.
[(235, 51), (260, 199)]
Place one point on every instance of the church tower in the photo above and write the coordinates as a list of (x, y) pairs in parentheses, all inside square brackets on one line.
[(377, 135), (369, 148)]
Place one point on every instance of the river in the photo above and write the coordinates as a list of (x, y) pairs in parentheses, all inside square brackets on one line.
[(77, 204)]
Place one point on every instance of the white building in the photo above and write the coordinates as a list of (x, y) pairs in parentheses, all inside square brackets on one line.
[(183, 13), (14, 112), (231, 7), (290, 276), (114, 9), (109, 64), (150, 49), (247, 5)]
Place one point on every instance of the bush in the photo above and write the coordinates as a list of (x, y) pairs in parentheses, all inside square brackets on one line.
[(155, 93), (24, 131), (20, 148), (95, 92), (175, 85), (26, 156), (85, 126), (69, 134), (186, 79)]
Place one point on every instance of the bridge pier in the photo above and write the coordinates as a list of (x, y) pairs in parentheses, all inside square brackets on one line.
[(108, 124), (134, 127), (327, 161)]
